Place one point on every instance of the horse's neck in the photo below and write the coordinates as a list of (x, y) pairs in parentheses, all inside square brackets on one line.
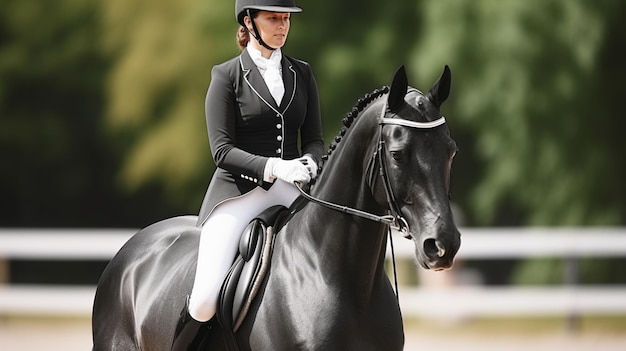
[(344, 180), (351, 248), (347, 251)]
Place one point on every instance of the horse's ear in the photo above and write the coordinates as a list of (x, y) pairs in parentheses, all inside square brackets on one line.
[(440, 90), (398, 90)]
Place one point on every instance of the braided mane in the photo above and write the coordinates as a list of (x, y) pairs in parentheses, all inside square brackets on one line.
[(349, 118)]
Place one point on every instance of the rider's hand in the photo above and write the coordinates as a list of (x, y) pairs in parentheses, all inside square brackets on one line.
[(288, 170), (310, 164)]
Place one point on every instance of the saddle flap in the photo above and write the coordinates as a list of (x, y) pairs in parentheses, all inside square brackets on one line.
[(249, 267), (227, 292)]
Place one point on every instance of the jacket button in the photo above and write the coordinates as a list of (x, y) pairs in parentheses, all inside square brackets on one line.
[(279, 126), (279, 138), (278, 151)]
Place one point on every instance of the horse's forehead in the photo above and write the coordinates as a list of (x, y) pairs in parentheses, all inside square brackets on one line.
[(421, 106)]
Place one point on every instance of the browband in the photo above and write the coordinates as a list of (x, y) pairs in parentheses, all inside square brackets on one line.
[(412, 124), (407, 123)]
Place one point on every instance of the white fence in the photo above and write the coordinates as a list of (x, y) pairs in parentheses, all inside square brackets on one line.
[(463, 301)]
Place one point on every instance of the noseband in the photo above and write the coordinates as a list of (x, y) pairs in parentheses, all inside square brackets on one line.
[(395, 219)]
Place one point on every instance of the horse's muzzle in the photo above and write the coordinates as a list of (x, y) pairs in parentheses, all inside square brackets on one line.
[(438, 253)]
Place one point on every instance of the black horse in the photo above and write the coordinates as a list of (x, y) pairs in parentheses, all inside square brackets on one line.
[(326, 288)]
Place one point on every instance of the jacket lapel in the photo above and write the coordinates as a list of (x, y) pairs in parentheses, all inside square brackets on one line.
[(289, 80), (255, 81)]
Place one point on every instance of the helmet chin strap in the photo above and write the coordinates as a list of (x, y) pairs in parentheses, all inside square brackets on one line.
[(256, 33)]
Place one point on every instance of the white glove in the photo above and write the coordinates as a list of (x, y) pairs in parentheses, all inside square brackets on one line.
[(290, 171), (310, 164)]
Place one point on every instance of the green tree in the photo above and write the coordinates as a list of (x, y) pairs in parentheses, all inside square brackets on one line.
[(163, 54), (534, 87), (50, 104)]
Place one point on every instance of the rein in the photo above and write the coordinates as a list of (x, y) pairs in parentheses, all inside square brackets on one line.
[(388, 219)]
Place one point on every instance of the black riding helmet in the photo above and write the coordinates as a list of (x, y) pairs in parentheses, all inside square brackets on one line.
[(245, 8)]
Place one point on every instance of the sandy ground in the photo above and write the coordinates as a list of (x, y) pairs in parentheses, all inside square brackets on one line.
[(74, 335)]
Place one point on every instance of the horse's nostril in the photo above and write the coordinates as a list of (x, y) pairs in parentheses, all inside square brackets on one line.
[(433, 248)]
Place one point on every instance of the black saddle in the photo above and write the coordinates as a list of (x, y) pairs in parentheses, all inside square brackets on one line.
[(247, 272)]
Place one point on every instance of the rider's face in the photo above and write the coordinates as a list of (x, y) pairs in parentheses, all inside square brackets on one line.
[(273, 27)]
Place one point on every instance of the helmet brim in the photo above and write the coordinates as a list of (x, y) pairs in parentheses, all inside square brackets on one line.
[(281, 9)]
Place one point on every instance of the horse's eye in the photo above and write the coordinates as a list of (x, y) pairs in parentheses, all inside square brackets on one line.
[(397, 155)]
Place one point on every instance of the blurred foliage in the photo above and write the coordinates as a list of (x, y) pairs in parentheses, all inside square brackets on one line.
[(102, 102), (535, 88), (163, 51), (51, 104)]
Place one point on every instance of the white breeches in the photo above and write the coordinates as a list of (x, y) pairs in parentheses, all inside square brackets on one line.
[(219, 241)]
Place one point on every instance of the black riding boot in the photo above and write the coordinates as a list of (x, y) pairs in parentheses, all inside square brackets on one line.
[(190, 334)]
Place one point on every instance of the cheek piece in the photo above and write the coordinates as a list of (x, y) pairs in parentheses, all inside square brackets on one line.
[(256, 34)]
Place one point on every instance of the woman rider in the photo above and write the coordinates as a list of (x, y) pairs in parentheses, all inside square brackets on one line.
[(257, 106)]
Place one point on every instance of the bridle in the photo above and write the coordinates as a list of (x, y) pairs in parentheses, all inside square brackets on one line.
[(398, 220), (395, 219)]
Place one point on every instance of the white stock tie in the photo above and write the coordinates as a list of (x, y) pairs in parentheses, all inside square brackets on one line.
[(274, 81), (270, 71)]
